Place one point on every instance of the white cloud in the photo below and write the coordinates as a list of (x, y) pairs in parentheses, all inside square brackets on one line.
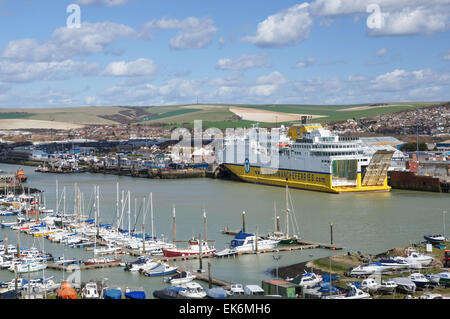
[(305, 63), (410, 21), (244, 62), (401, 79), (66, 43), (432, 93), (273, 78), (45, 98), (288, 27), (400, 17), (22, 72), (447, 57), (263, 90), (140, 67), (382, 52), (194, 33)]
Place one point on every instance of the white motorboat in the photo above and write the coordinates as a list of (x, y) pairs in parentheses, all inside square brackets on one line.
[(108, 250), (366, 270), (430, 295), (354, 293), (162, 269), (236, 290), (181, 278), (394, 264), (433, 278), (387, 287), (444, 278), (142, 264), (227, 252), (21, 282), (419, 279), (434, 239), (415, 256), (247, 242), (310, 280), (405, 284), (11, 249), (192, 290), (90, 291), (424, 260), (29, 267), (370, 285)]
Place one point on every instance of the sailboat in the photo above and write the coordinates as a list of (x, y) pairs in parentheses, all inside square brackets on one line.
[(195, 246), (285, 238)]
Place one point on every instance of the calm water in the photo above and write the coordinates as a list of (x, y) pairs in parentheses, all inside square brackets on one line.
[(370, 223)]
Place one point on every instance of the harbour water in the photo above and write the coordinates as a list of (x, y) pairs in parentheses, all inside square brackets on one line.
[(369, 222)]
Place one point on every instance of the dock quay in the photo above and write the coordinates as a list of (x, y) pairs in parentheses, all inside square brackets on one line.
[(302, 244), (207, 278), (148, 172), (73, 267)]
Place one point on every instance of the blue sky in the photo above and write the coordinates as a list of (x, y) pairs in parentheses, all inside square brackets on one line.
[(136, 52)]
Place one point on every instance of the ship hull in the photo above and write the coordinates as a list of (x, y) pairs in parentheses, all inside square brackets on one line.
[(307, 180), (185, 253)]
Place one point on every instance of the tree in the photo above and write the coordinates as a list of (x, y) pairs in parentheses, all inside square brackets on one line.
[(412, 147)]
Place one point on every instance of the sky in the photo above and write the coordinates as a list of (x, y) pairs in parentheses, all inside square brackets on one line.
[(141, 53)]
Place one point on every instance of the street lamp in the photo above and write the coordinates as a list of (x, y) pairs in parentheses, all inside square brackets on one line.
[(277, 257)]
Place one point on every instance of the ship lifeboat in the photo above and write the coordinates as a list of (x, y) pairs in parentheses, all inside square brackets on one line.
[(66, 291), (20, 176)]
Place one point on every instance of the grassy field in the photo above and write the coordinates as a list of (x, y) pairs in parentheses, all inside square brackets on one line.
[(215, 115), (15, 115)]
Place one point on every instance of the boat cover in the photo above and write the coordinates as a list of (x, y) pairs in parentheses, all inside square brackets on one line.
[(113, 294), (135, 295), (216, 293)]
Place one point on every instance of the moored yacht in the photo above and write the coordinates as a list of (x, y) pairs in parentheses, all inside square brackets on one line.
[(247, 242), (193, 249)]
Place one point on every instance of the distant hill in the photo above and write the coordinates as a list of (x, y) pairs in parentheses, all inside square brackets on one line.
[(213, 115)]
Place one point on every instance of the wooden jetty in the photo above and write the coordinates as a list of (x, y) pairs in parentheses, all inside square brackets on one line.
[(302, 244), (73, 267), (207, 278)]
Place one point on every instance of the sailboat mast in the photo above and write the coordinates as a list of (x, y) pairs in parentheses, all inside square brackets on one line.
[(174, 225), (117, 202), (151, 211), (275, 214), (287, 213), (204, 223), (135, 211), (64, 202), (143, 225), (129, 214)]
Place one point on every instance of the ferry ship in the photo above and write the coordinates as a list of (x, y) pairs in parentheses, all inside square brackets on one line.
[(309, 157)]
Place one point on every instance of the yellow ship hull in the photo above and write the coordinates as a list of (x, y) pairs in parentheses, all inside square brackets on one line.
[(314, 181)]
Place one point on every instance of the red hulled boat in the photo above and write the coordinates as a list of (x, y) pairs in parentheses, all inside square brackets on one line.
[(193, 249)]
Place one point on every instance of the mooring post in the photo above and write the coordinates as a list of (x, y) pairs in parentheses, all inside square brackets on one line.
[(331, 233), (209, 275)]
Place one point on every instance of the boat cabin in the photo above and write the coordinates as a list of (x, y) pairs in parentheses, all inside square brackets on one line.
[(253, 290)]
